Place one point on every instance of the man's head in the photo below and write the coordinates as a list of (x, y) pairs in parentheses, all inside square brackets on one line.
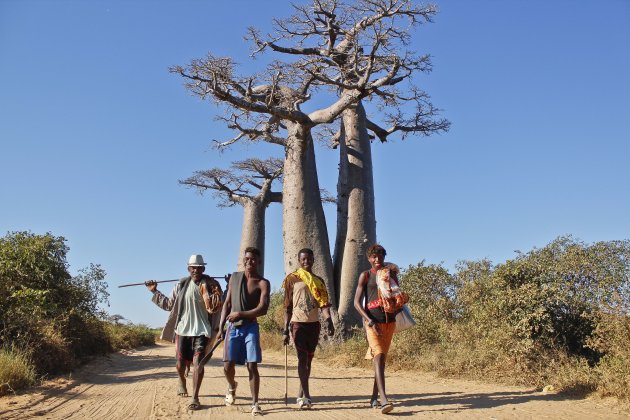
[(196, 266), (306, 259), (251, 259), (376, 256)]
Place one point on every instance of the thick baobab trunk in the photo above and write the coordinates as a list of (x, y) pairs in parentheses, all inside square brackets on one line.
[(303, 222), (356, 225), (253, 231)]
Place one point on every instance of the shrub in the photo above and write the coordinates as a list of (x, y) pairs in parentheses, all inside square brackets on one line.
[(558, 316), (432, 291), (128, 336), (38, 295), (273, 321), (16, 371)]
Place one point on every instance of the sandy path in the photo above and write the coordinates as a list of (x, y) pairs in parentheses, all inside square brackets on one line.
[(141, 385)]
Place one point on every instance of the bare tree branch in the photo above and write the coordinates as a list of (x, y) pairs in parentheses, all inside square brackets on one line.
[(239, 183)]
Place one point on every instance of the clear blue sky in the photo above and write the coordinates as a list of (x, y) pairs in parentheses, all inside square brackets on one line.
[(95, 133)]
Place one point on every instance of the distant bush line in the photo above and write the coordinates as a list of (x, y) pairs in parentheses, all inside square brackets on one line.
[(50, 321), (559, 315)]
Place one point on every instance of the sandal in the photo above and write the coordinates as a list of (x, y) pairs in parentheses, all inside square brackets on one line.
[(256, 410), (194, 404), (231, 395), (386, 408), (375, 404), (304, 403)]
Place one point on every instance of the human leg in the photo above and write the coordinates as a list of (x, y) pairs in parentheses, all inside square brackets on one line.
[(200, 345), (303, 374), (183, 354), (229, 371), (181, 380), (253, 357), (379, 376), (305, 338), (254, 380), (379, 339), (233, 353), (374, 398)]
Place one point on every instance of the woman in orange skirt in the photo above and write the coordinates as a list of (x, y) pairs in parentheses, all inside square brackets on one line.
[(379, 326)]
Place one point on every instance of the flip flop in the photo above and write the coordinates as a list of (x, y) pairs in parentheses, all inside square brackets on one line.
[(256, 410), (181, 390), (231, 395), (306, 404), (194, 404), (375, 404), (386, 408)]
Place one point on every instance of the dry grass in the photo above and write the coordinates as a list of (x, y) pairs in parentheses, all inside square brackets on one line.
[(271, 340), (569, 375), (16, 371)]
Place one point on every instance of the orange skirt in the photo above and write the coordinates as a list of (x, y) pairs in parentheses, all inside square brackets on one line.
[(379, 338)]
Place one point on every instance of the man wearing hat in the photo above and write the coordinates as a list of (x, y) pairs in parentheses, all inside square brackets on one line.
[(193, 323)]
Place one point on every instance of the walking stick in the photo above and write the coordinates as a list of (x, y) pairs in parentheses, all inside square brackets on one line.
[(209, 355), (286, 374), (227, 276)]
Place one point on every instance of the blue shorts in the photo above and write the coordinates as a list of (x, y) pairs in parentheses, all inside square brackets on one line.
[(242, 344)]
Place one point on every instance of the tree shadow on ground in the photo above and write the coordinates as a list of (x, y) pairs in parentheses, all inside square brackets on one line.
[(460, 401)]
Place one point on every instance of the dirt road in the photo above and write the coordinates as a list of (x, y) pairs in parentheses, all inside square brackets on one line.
[(142, 385)]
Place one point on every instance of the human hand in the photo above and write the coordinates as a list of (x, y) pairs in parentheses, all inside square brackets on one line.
[(285, 338), (151, 285), (233, 316), (330, 327)]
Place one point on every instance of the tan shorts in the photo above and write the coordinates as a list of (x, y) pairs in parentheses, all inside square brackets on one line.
[(379, 338)]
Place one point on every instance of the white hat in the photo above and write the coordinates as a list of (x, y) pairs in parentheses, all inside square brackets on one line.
[(196, 261)]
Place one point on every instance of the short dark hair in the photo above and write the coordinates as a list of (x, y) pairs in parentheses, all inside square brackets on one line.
[(253, 250), (375, 250), (306, 251)]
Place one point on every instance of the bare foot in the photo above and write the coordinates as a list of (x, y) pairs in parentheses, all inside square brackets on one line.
[(181, 390)]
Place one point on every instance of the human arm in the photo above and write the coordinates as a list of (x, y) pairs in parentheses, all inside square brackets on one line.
[(288, 309), (225, 310), (159, 298), (260, 309), (358, 296), (330, 327)]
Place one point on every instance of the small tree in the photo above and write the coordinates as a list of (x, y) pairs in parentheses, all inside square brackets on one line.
[(44, 311), (247, 183)]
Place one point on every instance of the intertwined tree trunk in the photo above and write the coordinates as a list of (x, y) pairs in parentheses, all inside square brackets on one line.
[(360, 49), (303, 224)]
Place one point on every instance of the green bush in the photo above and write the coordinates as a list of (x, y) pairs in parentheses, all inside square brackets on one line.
[(273, 321), (40, 300), (129, 336), (559, 315), (432, 291)]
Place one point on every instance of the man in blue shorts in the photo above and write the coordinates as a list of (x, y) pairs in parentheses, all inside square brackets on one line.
[(247, 299)]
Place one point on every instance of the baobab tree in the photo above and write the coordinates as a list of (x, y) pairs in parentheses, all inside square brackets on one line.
[(338, 44), (277, 94), (247, 183)]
